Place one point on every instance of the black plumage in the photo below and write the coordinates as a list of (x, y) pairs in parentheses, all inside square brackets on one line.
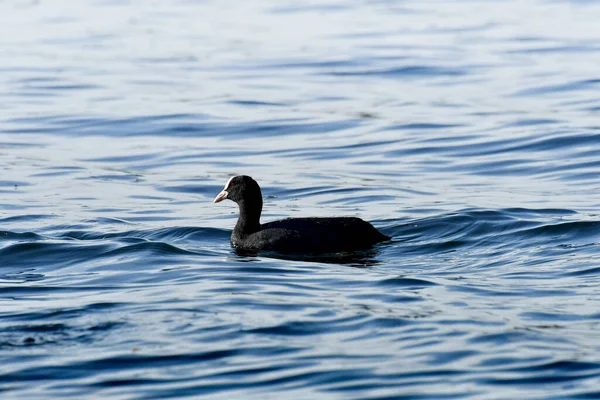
[(292, 235)]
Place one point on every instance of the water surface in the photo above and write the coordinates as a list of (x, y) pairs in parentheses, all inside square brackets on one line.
[(467, 130)]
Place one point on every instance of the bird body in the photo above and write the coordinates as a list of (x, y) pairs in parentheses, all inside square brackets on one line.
[(292, 235)]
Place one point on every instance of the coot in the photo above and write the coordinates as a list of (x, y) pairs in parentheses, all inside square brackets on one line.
[(292, 235)]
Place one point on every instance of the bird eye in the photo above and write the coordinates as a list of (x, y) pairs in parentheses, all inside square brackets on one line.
[(230, 183)]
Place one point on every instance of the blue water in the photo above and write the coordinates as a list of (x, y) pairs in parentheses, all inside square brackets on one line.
[(467, 130)]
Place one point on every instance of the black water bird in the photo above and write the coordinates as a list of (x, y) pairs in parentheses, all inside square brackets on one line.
[(292, 235)]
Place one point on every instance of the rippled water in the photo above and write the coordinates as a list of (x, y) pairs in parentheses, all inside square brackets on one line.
[(467, 130)]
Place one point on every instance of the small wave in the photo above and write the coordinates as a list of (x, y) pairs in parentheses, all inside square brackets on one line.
[(514, 227), (48, 254)]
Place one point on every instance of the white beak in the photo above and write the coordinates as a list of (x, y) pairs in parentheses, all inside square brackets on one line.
[(221, 196)]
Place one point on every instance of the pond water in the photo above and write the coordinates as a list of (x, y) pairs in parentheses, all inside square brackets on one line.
[(466, 130)]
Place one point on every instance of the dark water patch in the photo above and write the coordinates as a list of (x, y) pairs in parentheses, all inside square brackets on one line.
[(324, 191), (299, 328), (409, 283), (169, 234), (414, 71), (254, 103), (149, 251), (155, 213), (567, 167), (136, 362), (36, 333), (503, 339), (124, 177), (533, 293), (594, 271), (267, 128), (591, 394), (296, 192), (36, 95), (290, 380), (447, 357), (357, 259), (329, 190), (147, 197), (588, 84), (149, 218), (368, 199), (33, 289), (467, 224), (548, 372), (539, 212), (562, 232), (583, 176), (125, 159), (561, 142), (22, 276), (194, 188), (85, 121), (559, 317), (444, 139), (54, 174), (61, 314), (419, 126), (13, 184), (108, 210), (387, 298), (48, 254), (516, 167), (16, 145), (556, 49), (13, 236), (555, 142), (107, 221), (213, 156), (309, 65), (320, 8), (149, 126), (57, 87), (484, 291), (531, 122), (96, 126)]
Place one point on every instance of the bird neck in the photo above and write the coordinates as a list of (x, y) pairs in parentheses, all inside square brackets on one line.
[(249, 221)]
